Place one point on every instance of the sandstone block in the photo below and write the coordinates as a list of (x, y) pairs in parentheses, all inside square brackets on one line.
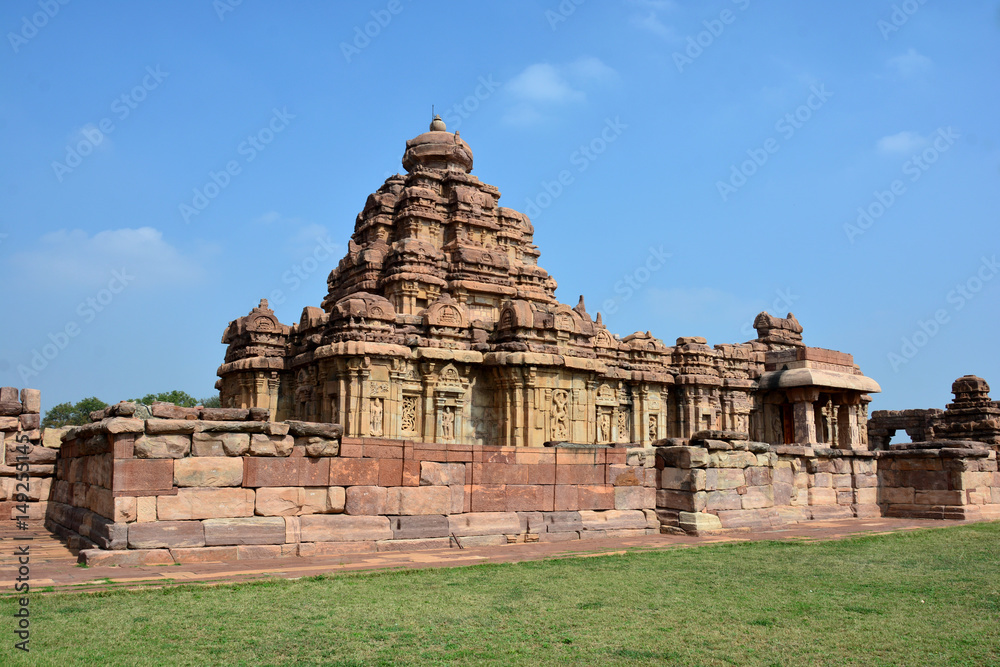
[(313, 549), (560, 522), (145, 509), (315, 429), (124, 509), (414, 500), (366, 501), (162, 446), (203, 554), (822, 496), (250, 530), (866, 496), (220, 444), (484, 523), (612, 519), (31, 400), (202, 503), (166, 534), (894, 495), (126, 558), (268, 445), (353, 472), (955, 497), (718, 479), (317, 447), (208, 471), (458, 498), (171, 411), (412, 527), (29, 422), (757, 497), (596, 497), (629, 498), (699, 521), (286, 471), (344, 528), (724, 500), (143, 477), (528, 498), (471, 541), (418, 544), (224, 414), (441, 474)]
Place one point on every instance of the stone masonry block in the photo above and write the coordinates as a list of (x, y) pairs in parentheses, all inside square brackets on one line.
[(249, 530), (162, 446), (441, 474), (166, 534), (484, 523), (208, 471), (343, 528), (416, 500), (143, 476), (205, 503)]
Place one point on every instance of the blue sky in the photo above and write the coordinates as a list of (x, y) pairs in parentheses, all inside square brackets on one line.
[(169, 164)]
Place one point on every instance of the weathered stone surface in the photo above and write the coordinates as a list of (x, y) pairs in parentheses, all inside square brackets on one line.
[(368, 501), (166, 534), (202, 503), (354, 472), (413, 500), (250, 530), (328, 431), (484, 523), (31, 400), (286, 471), (418, 544), (224, 414), (143, 477), (630, 498), (204, 554), (264, 445), (208, 471), (344, 528), (162, 446), (316, 447), (612, 519), (171, 411), (126, 558), (220, 444), (411, 527), (441, 474), (699, 521), (294, 501)]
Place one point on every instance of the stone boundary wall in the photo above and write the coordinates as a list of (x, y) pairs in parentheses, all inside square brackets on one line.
[(190, 484), (714, 484), (940, 480), (20, 422), (884, 424)]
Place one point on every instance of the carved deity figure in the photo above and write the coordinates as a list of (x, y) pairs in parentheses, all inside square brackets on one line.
[(560, 420), (622, 425), (653, 424), (376, 413), (605, 427), (448, 422)]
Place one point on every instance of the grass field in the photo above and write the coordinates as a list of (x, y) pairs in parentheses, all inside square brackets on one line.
[(929, 597)]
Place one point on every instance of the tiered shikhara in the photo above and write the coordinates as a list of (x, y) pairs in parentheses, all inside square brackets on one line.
[(440, 326)]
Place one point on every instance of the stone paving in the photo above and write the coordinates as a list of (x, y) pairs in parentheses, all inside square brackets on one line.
[(54, 567)]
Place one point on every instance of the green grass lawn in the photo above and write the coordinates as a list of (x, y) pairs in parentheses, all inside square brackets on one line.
[(929, 597)]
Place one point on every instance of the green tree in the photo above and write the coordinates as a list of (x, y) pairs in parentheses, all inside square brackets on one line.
[(211, 402), (179, 398), (67, 414)]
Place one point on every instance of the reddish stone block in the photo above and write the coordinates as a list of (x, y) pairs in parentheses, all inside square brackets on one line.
[(125, 557), (419, 500), (484, 523), (441, 474), (166, 534), (623, 475), (411, 473), (210, 503), (310, 549), (566, 498), (580, 474), (365, 501), (541, 473), (351, 451), (488, 497), (390, 472), (124, 446), (534, 456), (203, 554), (249, 530), (417, 544), (143, 477), (460, 456), (353, 472), (389, 452), (343, 528), (615, 456), (505, 455), (503, 473), (412, 527), (580, 456), (271, 471), (596, 497), (526, 498)]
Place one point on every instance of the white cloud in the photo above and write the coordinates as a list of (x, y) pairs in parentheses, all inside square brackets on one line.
[(74, 258), (901, 143), (541, 87), (910, 64), (648, 18)]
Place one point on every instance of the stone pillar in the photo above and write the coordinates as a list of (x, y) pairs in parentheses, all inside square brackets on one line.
[(847, 422), (804, 414)]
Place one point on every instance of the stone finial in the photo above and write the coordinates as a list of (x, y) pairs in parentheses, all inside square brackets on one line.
[(437, 125), (262, 304)]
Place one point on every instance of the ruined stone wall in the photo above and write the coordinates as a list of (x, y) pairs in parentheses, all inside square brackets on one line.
[(713, 484), (939, 480), (193, 484), (25, 451)]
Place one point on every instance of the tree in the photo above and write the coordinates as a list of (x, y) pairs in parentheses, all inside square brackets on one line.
[(211, 402), (179, 398), (67, 414)]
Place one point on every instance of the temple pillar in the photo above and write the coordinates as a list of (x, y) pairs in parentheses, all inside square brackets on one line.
[(804, 414), (847, 422)]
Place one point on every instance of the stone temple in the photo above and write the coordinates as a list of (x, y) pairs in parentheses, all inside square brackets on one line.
[(440, 325)]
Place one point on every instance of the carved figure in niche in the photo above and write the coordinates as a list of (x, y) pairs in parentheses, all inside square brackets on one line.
[(605, 427), (408, 421), (448, 422), (777, 427), (560, 420), (376, 413), (653, 423), (622, 425)]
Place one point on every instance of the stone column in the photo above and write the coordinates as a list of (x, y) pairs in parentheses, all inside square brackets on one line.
[(847, 422), (804, 414)]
